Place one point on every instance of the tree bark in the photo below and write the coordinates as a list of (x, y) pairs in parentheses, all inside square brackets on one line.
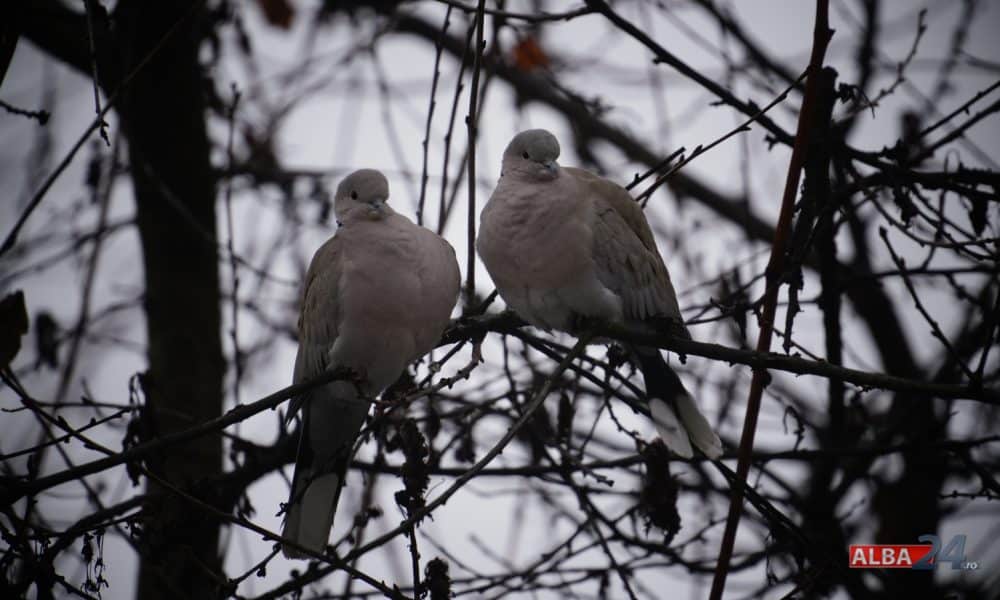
[(163, 111)]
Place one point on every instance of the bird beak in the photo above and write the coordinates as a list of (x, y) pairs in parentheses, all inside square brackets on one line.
[(377, 206), (551, 166)]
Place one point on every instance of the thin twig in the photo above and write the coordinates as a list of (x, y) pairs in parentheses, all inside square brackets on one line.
[(459, 482), (443, 206), (472, 126), (963, 108), (237, 414), (11, 238), (95, 77), (42, 116), (86, 295), (935, 327), (699, 150), (414, 559), (655, 168), (230, 246), (535, 17), (430, 118)]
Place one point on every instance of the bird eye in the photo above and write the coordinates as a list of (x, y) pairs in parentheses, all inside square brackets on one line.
[(525, 155), (354, 195)]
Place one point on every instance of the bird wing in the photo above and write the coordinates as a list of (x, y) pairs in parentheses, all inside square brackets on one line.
[(441, 281), (320, 311), (630, 265), (332, 414), (624, 251)]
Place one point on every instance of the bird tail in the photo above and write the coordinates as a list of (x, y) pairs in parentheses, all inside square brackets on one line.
[(675, 414), (330, 424), (312, 505)]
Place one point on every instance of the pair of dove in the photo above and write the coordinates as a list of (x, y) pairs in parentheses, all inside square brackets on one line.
[(560, 243)]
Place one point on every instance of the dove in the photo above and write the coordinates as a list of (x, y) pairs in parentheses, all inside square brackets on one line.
[(562, 244), (377, 296)]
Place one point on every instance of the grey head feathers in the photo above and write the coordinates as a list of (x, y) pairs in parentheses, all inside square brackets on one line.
[(532, 153), (363, 192)]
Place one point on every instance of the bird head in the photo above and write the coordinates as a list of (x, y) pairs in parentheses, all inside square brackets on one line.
[(532, 154), (362, 194)]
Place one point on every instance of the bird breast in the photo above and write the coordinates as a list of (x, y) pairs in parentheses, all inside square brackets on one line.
[(392, 316), (536, 242)]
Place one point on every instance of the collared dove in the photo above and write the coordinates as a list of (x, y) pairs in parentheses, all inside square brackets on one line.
[(377, 296), (563, 244)]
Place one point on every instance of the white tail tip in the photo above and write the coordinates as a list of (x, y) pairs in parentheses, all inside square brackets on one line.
[(310, 517), (670, 429), (690, 428)]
